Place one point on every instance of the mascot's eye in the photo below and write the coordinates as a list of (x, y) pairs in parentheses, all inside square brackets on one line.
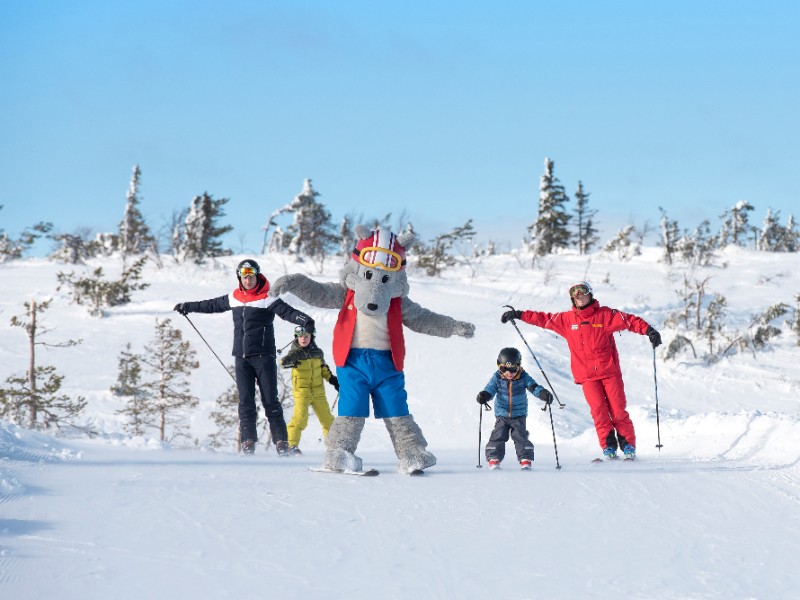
[(385, 278), (367, 274)]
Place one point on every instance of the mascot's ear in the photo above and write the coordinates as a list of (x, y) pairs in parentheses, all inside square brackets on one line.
[(362, 232), (407, 238)]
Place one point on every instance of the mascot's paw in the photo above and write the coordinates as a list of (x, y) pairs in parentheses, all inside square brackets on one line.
[(464, 329), (416, 460), (342, 460), (286, 284)]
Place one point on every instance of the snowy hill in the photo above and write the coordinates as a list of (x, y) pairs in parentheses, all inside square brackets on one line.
[(714, 514)]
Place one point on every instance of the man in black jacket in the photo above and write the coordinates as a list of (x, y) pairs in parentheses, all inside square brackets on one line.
[(254, 348)]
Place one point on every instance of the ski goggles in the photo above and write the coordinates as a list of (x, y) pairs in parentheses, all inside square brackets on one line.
[(247, 272), (508, 367), (578, 289), (380, 258)]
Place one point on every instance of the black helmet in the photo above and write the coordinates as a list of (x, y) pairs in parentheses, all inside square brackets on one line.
[(509, 357), (250, 263)]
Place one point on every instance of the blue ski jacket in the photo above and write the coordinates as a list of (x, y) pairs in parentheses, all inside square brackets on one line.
[(511, 400)]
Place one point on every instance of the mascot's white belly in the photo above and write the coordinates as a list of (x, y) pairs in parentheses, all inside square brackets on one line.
[(371, 332)]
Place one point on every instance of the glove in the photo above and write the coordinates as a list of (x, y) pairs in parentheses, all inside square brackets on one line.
[(289, 364), (180, 309), (546, 396), (309, 326), (510, 314), (655, 337), (483, 397), (334, 381)]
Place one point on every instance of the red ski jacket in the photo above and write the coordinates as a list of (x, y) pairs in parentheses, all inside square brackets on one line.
[(590, 336)]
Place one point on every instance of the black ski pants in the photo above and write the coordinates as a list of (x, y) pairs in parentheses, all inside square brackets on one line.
[(263, 370), (516, 427)]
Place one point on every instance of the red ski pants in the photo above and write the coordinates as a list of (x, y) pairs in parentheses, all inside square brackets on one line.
[(606, 399)]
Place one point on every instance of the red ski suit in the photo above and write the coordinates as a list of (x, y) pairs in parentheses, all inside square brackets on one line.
[(595, 362)]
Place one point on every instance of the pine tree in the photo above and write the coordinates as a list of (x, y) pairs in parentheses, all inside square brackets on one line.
[(774, 237), (624, 247), (226, 418), (435, 256), (735, 225), (32, 400), (311, 233), (200, 236), (586, 234), (169, 360), (98, 293), (669, 236), (550, 229), (792, 237), (12, 249), (137, 409), (134, 235)]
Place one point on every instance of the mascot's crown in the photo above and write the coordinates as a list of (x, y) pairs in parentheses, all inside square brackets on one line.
[(380, 250)]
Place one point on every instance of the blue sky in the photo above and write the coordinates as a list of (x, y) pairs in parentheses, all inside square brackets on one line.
[(443, 109)]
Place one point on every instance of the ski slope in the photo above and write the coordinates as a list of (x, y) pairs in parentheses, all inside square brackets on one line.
[(714, 514)]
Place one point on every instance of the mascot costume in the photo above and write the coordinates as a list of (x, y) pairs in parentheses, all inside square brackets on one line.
[(368, 346)]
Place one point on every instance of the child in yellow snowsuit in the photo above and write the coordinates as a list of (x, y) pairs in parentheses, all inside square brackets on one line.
[(309, 370)]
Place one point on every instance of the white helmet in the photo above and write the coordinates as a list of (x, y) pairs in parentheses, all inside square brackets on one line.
[(584, 285)]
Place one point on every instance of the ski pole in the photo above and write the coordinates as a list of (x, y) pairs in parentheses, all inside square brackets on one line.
[(553, 429), (659, 445), (284, 348), (210, 348), (481, 408), (335, 400), (524, 341)]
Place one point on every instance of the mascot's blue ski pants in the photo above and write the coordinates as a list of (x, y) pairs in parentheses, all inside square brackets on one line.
[(371, 373)]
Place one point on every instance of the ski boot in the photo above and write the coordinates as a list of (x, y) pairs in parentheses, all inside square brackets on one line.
[(282, 447), (610, 453), (494, 463), (525, 464), (294, 451), (248, 447), (629, 451)]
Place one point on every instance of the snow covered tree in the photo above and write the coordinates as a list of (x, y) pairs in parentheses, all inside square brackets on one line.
[(311, 233), (169, 360), (774, 237), (622, 245), (735, 225), (137, 409), (586, 232), (200, 235), (669, 236), (437, 255), (550, 231), (12, 249), (347, 237), (75, 248), (98, 293), (226, 418), (134, 235), (697, 248), (33, 400)]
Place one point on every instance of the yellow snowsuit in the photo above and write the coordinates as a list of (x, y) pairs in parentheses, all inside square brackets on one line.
[(308, 373)]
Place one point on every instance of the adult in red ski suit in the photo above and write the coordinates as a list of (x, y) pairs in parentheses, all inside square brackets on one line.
[(589, 330)]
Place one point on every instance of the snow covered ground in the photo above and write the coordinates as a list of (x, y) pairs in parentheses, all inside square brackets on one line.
[(714, 514)]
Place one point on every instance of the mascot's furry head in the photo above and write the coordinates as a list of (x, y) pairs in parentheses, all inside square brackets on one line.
[(376, 270)]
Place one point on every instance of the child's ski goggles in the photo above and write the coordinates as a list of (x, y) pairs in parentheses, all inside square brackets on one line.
[(380, 258), (508, 367)]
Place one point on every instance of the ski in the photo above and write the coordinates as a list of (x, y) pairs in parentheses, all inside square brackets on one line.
[(416, 473), (367, 473), (616, 458)]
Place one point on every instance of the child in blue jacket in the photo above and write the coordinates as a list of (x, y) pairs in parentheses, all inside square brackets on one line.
[(509, 383)]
